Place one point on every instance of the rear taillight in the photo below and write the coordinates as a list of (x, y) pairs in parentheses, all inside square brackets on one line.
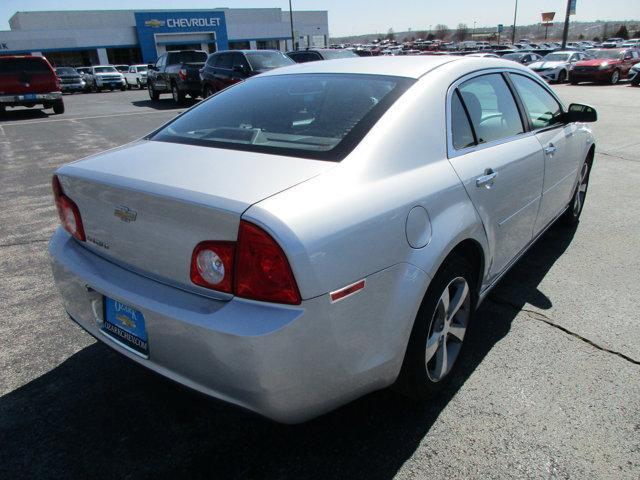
[(67, 211), (182, 73), (212, 265), (254, 267), (262, 268)]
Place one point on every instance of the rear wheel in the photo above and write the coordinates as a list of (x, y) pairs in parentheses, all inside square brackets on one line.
[(58, 107), (572, 215), (178, 96), (207, 92), (615, 76), (440, 330), (153, 95)]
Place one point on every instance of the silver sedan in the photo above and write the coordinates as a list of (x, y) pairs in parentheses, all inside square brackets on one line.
[(319, 231)]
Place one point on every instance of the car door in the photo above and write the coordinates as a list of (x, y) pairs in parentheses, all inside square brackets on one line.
[(240, 68), (157, 78), (222, 75), (561, 162), (627, 62), (500, 165)]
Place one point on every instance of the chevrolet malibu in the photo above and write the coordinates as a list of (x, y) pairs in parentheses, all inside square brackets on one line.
[(319, 231)]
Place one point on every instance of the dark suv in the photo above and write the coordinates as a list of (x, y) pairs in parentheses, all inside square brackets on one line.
[(231, 66), (29, 81), (176, 72), (303, 56)]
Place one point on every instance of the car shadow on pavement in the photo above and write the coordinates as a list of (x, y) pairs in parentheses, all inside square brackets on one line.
[(16, 115), (164, 104), (99, 415)]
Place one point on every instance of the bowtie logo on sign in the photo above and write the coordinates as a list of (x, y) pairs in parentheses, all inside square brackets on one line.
[(154, 23)]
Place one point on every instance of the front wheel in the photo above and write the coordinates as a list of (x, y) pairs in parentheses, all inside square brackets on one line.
[(153, 95), (572, 215), (562, 76), (615, 76), (440, 330)]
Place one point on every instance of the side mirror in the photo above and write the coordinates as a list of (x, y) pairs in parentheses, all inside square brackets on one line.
[(578, 112), (151, 66)]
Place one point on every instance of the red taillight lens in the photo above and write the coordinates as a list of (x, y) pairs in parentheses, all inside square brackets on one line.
[(255, 267), (262, 269), (67, 211), (182, 73), (212, 265)]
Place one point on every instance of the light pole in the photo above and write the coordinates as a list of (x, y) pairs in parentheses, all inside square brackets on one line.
[(293, 41), (513, 32), (473, 32), (565, 32)]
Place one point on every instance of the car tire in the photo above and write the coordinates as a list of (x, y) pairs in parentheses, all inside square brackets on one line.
[(207, 91), (58, 107), (562, 76), (572, 214), (123, 88), (176, 94), (615, 77), (437, 340), (153, 95)]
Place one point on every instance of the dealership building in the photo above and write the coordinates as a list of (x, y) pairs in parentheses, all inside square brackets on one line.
[(126, 36)]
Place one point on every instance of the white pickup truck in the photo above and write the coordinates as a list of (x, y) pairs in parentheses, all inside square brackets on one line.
[(136, 76)]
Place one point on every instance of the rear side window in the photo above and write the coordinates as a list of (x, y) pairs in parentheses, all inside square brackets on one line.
[(543, 110), (321, 116), (225, 60), (491, 107), (19, 65), (462, 134)]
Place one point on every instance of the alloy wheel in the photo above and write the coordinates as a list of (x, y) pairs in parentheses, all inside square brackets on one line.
[(581, 191), (448, 328), (174, 94), (615, 76)]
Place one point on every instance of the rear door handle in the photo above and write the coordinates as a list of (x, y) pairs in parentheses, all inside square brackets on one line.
[(487, 179), (550, 149)]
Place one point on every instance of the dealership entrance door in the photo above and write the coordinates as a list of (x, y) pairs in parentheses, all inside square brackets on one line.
[(166, 42)]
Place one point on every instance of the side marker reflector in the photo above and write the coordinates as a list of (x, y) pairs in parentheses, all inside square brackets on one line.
[(346, 291)]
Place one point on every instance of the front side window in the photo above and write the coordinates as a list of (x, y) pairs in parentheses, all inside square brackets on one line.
[(225, 60), (491, 107), (543, 110), (322, 116)]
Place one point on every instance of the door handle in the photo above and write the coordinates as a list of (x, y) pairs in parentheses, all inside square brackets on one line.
[(487, 179), (550, 149)]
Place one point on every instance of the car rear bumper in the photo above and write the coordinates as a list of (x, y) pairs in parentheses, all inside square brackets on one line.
[(29, 98), (73, 87), (288, 363)]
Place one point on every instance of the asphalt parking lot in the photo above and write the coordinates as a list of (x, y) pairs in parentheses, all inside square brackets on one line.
[(549, 389)]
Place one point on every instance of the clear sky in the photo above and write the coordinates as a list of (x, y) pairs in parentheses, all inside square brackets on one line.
[(352, 17)]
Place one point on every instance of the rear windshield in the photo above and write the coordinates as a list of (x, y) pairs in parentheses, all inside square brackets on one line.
[(513, 56), (321, 116), (186, 57), (333, 54), (29, 65), (557, 57), (268, 60)]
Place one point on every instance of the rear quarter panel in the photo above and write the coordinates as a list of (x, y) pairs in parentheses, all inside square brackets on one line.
[(350, 222)]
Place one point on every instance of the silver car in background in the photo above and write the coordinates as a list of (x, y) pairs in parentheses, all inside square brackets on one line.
[(555, 66), (320, 231)]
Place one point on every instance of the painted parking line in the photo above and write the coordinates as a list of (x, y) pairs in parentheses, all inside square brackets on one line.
[(32, 122)]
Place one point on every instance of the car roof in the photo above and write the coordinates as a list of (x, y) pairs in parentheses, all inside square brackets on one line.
[(399, 66), (246, 50)]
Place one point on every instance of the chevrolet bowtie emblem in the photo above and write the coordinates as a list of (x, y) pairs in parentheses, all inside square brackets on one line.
[(125, 214)]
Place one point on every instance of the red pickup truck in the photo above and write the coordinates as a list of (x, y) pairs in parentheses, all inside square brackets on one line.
[(28, 81)]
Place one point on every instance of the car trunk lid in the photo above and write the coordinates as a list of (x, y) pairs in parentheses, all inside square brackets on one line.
[(147, 205)]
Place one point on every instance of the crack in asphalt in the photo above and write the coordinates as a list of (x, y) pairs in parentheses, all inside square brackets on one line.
[(28, 242), (543, 318), (619, 157)]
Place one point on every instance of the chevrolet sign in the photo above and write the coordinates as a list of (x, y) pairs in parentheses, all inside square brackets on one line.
[(192, 22)]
